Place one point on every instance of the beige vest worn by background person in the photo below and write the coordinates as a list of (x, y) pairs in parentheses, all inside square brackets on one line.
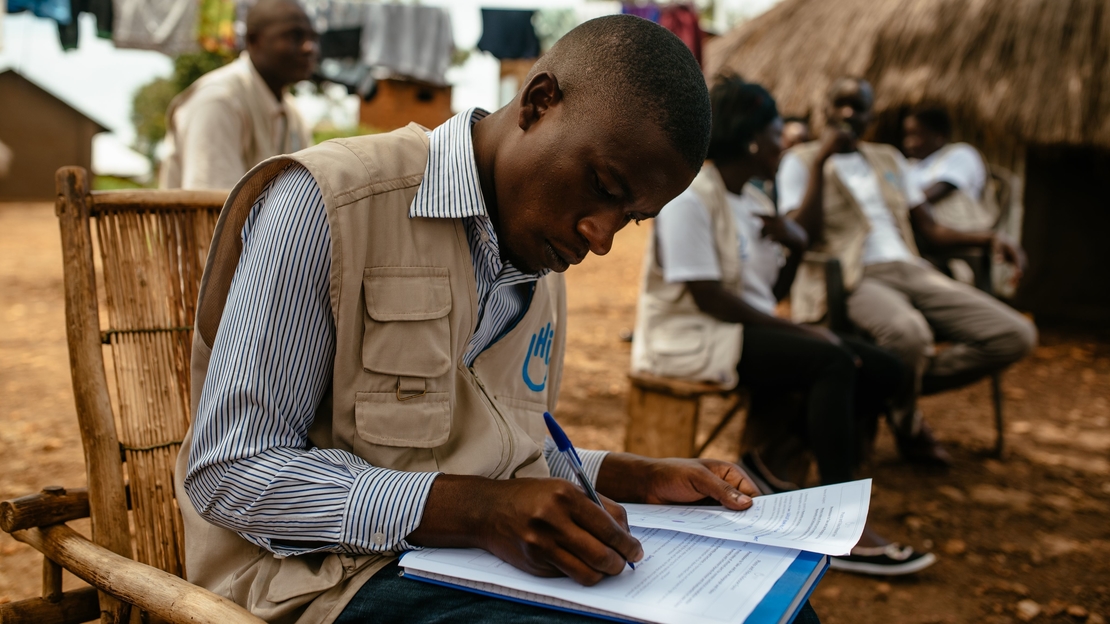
[(405, 307), (673, 338), (239, 85), (847, 227)]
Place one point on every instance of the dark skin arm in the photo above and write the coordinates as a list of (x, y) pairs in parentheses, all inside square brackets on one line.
[(938, 191), (549, 527), (811, 213), (722, 304), (940, 236)]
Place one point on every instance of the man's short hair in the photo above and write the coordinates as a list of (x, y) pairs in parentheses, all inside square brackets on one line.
[(626, 63), (934, 119), (864, 86)]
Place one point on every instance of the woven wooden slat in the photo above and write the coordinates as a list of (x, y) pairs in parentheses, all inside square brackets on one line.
[(153, 257)]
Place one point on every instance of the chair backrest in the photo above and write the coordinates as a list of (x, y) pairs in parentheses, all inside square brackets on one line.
[(152, 247)]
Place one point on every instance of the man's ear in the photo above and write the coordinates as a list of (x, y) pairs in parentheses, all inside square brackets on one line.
[(540, 94)]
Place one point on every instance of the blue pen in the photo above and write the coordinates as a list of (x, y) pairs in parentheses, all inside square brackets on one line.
[(571, 455)]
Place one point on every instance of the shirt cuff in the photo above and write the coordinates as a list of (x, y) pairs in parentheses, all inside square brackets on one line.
[(560, 467), (384, 507)]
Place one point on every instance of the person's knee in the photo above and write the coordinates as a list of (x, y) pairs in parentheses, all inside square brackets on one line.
[(909, 337), (1017, 340)]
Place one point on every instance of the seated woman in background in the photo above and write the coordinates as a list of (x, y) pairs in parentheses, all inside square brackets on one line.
[(714, 272)]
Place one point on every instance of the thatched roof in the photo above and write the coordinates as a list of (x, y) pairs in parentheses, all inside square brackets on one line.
[(1035, 70)]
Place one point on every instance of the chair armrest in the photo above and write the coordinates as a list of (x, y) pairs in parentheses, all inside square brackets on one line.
[(978, 258), (150, 589), (54, 505)]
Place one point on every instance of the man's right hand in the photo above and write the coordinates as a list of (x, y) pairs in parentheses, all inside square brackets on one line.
[(837, 139), (546, 527)]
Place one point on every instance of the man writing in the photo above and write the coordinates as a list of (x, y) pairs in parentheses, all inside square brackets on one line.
[(382, 323), (856, 203), (235, 117)]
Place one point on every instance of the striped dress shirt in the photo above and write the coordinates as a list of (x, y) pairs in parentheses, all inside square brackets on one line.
[(251, 467)]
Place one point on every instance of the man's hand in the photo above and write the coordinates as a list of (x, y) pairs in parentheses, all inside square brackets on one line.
[(785, 232), (634, 479), (836, 139), (546, 527), (1011, 251)]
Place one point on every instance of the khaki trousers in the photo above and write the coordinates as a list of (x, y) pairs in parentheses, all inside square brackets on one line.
[(907, 308)]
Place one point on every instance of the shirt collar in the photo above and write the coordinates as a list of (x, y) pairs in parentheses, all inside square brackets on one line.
[(451, 188)]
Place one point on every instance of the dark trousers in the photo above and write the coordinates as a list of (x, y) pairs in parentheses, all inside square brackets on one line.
[(390, 599), (840, 397)]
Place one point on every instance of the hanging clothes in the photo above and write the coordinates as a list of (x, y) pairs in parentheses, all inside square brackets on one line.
[(682, 20), (57, 10), (646, 11), (408, 40), (168, 26), (341, 43), (509, 34), (216, 25), (68, 34)]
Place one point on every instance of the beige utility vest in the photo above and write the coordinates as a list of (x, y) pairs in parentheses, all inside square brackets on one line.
[(404, 300), (847, 227), (673, 337)]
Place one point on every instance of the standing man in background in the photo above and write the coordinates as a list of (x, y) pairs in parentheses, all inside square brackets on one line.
[(235, 117)]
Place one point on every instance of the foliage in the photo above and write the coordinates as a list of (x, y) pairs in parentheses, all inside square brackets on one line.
[(112, 183), (148, 107), (325, 133)]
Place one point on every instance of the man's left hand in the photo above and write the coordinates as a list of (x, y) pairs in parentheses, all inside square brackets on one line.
[(634, 479), (1011, 251)]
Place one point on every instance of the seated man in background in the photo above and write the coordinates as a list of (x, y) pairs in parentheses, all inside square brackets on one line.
[(857, 204), (713, 272), (944, 170), (382, 323), (236, 116)]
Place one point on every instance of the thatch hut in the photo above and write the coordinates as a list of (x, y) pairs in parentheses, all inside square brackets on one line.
[(1026, 81)]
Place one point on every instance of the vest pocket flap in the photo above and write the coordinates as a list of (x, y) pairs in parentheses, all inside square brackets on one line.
[(407, 293), (419, 422)]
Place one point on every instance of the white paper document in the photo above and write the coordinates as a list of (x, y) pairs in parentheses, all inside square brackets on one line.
[(682, 578), (827, 520)]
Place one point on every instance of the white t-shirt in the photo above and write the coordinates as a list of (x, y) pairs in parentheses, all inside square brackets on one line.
[(958, 164), (884, 243), (685, 243)]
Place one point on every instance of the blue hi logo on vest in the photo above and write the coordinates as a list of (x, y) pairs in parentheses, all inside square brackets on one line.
[(539, 354)]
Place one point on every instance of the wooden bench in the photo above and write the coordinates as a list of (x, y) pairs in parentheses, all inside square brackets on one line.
[(663, 415)]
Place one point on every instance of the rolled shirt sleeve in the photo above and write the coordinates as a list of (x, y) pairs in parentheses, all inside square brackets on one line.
[(252, 468)]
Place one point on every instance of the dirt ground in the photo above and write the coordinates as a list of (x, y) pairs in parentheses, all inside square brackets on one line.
[(1023, 539)]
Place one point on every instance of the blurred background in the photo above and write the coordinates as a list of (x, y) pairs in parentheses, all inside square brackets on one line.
[(1026, 82)]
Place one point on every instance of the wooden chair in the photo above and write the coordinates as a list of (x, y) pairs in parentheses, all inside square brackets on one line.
[(663, 415), (152, 247)]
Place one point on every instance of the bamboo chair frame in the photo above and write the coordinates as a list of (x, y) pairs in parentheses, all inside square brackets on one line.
[(153, 246)]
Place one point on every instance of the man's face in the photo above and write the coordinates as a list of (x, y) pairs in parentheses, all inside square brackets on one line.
[(284, 50), (569, 182), (850, 103), (919, 141)]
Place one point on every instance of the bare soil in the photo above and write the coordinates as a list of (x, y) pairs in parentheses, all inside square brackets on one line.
[(1022, 539)]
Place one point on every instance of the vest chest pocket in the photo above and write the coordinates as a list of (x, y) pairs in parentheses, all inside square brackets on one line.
[(407, 332)]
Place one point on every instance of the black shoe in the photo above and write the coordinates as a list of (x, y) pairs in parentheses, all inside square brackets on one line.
[(923, 448), (889, 560), (763, 479)]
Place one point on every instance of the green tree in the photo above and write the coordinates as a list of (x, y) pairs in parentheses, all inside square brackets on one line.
[(148, 107)]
